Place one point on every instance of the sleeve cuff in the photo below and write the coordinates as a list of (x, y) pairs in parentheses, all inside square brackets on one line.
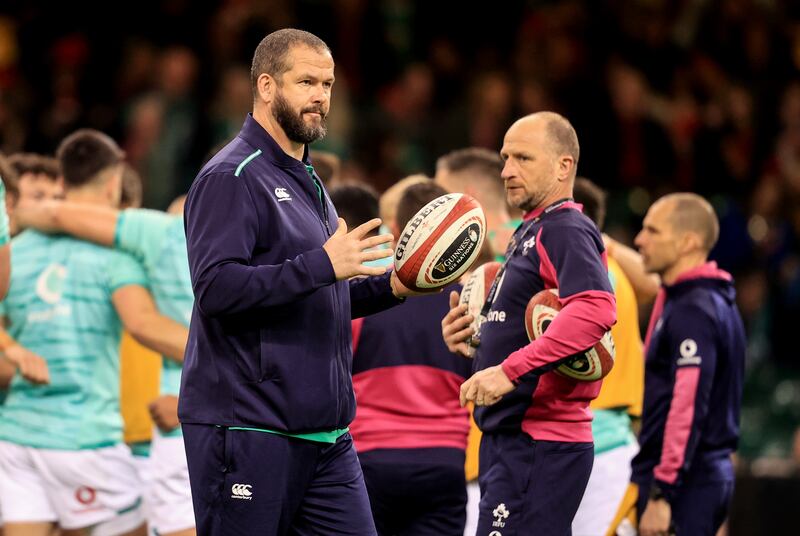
[(661, 490), (513, 366), (320, 267)]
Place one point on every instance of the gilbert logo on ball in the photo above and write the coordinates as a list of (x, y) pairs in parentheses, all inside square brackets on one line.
[(440, 242), (591, 365)]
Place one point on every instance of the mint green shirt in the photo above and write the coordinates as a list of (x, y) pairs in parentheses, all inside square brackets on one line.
[(611, 429), (158, 241), (59, 307)]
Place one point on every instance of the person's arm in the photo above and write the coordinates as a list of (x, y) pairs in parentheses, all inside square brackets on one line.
[(141, 319), (5, 269), (85, 221), (645, 285), (7, 371), (164, 412), (693, 350), (31, 366), (221, 234), (370, 295), (572, 261)]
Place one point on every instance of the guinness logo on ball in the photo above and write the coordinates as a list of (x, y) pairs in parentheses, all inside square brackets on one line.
[(454, 257)]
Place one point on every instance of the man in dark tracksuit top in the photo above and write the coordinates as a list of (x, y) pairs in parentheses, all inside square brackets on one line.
[(410, 431), (694, 374), (266, 394), (536, 453)]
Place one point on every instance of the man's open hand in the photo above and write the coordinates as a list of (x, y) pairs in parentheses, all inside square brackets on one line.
[(348, 251)]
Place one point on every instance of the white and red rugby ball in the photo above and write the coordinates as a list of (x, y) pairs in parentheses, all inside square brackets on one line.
[(591, 365), (476, 290), (440, 242)]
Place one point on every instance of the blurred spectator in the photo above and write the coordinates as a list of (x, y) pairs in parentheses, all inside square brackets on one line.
[(395, 137), (327, 165), (233, 101), (162, 129)]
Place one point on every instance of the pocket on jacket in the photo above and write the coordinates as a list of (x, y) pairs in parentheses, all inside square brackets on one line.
[(266, 367)]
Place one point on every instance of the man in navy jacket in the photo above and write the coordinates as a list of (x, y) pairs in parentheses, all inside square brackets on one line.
[(267, 395), (694, 371)]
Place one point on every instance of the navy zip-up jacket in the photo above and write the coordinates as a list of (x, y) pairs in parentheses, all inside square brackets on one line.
[(269, 341), (693, 383)]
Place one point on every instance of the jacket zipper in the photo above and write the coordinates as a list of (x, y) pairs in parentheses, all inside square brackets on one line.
[(336, 301)]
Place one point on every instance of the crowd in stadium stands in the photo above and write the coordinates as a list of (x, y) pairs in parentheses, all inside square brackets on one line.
[(690, 95)]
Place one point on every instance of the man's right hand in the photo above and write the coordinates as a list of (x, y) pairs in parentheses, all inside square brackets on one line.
[(456, 327), (164, 412), (347, 250), (32, 367)]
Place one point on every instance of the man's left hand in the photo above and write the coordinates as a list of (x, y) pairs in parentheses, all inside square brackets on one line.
[(656, 518), (401, 291), (486, 387)]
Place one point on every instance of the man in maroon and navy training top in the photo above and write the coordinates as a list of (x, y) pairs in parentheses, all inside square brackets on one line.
[(537, 451)]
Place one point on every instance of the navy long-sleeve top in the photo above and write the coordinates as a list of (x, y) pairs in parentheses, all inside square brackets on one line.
[(269, 341)]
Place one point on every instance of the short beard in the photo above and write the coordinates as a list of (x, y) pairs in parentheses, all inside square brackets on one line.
[(293, 125), (530, 203)]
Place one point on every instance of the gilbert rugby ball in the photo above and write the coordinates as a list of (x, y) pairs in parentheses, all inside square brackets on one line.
[(591, 365), (440, 242), (476, 290)]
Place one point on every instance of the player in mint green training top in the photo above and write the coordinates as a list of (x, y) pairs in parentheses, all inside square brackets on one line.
[(61, 448), (157, 239)]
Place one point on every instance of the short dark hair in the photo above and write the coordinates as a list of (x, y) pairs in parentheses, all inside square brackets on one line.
[(271, 52), (593, 199), (356, 203), (477, 158), (35, 163), (84, 154), (482, 168), (414, 198), (131, 187), (9, 177)]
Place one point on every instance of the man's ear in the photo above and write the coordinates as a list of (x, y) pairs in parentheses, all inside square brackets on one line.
[(113, 186), (564, 167), (689, 241), (265, 86)]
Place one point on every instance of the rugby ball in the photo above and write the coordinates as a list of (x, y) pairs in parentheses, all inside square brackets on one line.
[(589, 366), (476, 290), (440, 242)]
